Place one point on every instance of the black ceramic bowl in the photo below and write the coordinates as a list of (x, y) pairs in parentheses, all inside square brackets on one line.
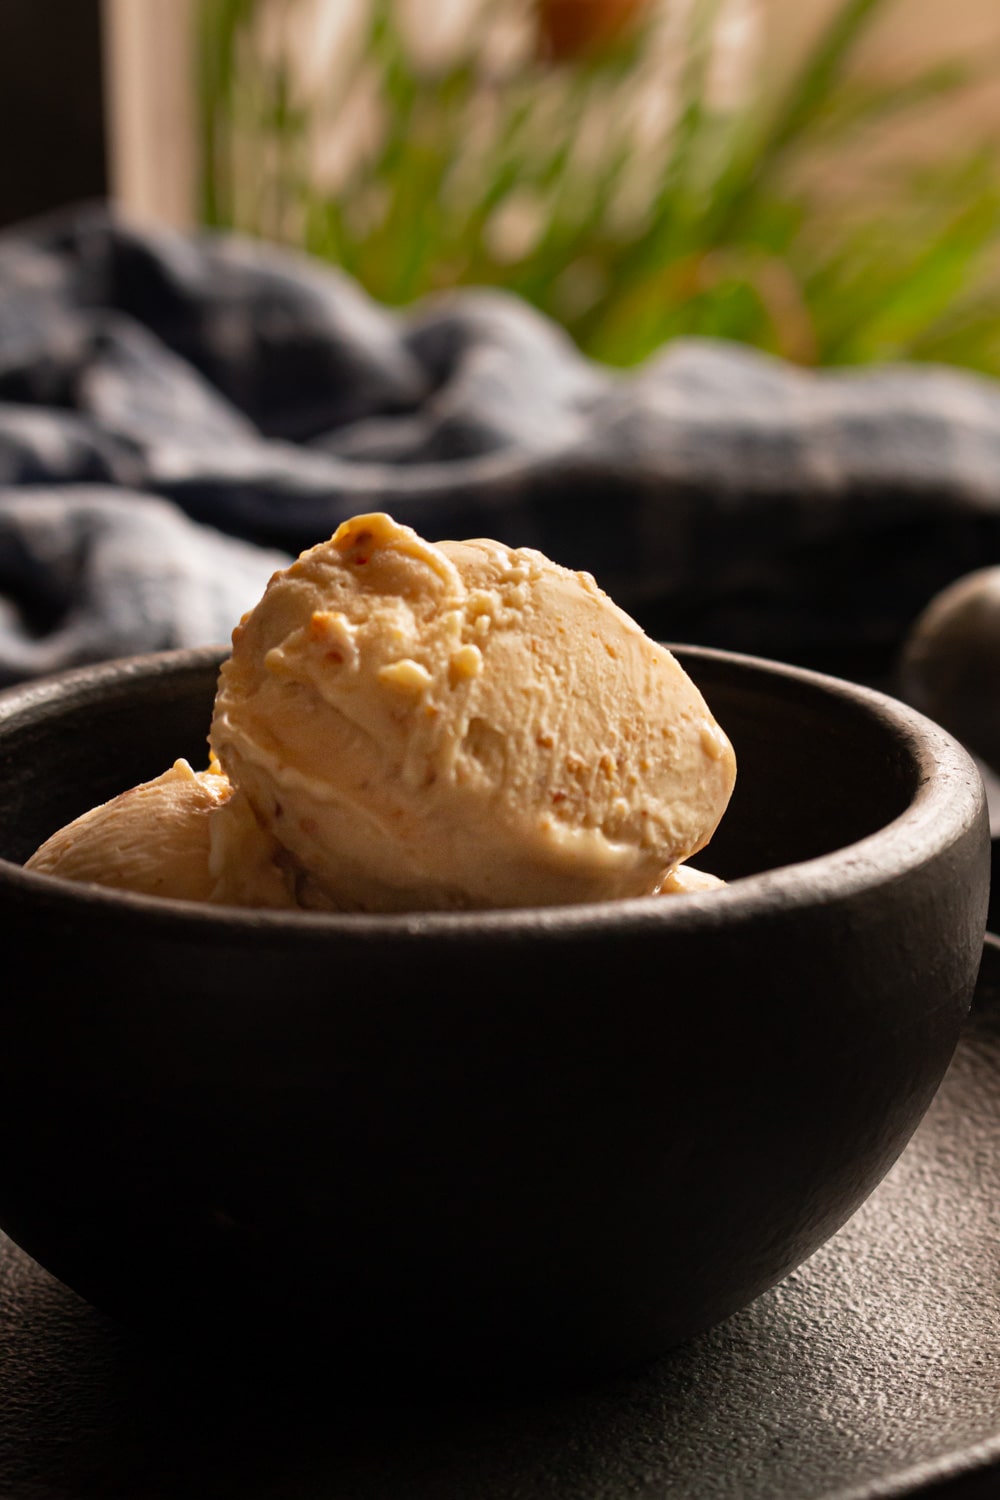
[(572, 1136)]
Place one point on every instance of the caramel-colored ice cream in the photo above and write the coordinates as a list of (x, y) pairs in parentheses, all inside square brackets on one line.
[(463, 724), (154, 838), (408, 725)]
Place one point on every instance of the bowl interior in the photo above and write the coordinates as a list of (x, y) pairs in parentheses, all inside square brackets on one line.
[(819, 764)]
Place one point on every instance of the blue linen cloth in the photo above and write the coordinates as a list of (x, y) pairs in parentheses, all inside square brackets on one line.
[(182, 413)]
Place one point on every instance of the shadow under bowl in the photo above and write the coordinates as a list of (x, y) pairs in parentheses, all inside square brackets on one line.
[(461, 1142)]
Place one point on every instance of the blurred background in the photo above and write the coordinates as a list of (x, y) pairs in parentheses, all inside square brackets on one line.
[(820, 181)]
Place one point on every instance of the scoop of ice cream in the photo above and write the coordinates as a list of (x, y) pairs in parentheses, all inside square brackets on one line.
[(461, 724), (154, 838), (163, 838)]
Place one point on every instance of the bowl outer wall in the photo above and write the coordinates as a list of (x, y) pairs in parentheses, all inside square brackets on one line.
[(580, 1134)]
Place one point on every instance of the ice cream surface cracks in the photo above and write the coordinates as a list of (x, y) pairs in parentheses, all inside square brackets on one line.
[(406, 725)]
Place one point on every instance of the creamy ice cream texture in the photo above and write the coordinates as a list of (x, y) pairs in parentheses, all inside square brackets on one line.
[(405, 725), (112, 844)]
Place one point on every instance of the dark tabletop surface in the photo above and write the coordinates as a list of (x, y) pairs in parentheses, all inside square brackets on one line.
[(873, 1370)]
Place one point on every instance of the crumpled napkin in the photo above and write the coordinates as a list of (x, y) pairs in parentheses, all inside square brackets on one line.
[(180, 414)]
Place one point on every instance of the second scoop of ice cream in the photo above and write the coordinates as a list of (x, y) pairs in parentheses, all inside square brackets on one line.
[(462, 724)]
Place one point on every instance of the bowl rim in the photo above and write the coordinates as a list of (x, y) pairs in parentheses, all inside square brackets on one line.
[(949, 798)]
